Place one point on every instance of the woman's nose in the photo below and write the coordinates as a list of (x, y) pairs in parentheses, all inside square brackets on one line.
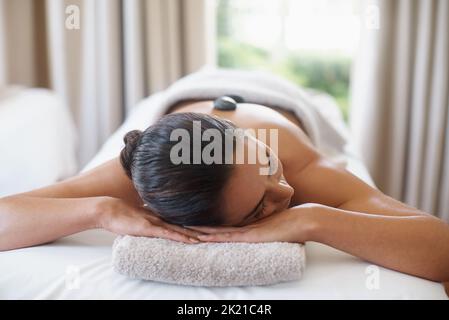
[(282, 190)]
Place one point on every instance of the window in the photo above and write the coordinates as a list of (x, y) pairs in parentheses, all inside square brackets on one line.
[(311, 43)]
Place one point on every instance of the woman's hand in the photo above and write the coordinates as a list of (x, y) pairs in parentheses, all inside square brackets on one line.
[(291, 225), (118, 216)]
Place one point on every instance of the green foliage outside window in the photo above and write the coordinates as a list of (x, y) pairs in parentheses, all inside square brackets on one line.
[(327, 72)]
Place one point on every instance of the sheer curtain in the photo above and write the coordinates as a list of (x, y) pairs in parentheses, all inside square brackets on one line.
[(400, 101), (122, 51)]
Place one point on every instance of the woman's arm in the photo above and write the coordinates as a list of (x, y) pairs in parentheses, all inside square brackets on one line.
[(336, 208), (359, 219), (415, 244), (26, 221), (108, 179), (101, 198)]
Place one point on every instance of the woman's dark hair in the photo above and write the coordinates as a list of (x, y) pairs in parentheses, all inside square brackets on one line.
[(184, 194)]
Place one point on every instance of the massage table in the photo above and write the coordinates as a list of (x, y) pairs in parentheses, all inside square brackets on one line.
[(79, 266)]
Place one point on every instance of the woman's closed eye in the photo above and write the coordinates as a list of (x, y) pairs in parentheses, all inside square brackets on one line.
[(261, 212), (270, 167)]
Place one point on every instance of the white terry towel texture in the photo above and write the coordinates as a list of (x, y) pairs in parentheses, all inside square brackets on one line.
[(227, 264), (208, 264)]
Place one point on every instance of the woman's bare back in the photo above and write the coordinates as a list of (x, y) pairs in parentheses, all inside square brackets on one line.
[(291, 132), (246, 115)]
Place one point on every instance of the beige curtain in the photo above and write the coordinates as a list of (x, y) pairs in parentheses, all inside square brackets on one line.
[(123, 51), (400, 101)]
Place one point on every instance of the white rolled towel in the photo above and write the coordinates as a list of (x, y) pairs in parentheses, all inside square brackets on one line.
[(208, 264)]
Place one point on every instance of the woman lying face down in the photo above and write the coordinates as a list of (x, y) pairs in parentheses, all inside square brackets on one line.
[(148, 191), (323, 202), (231, 193)]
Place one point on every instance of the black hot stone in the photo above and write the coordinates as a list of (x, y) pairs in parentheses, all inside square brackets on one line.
[(225, 103)]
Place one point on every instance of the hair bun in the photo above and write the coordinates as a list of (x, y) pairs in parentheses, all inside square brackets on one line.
[(131, 140)]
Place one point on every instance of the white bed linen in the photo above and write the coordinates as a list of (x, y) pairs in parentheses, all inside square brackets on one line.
[(50, 271)]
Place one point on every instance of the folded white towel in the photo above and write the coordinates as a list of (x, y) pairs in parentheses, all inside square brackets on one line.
[(208, 264)]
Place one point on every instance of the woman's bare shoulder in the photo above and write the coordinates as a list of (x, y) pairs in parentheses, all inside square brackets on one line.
[(295, 149)]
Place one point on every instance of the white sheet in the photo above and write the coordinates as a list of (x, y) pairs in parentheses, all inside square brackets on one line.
[(79, 266), (49, 272)]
